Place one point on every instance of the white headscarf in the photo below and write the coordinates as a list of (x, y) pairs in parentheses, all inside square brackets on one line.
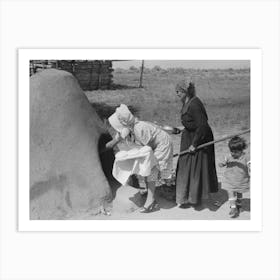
[(122, 120)]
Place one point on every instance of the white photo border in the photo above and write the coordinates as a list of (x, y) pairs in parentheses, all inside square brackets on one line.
[(255, 58)]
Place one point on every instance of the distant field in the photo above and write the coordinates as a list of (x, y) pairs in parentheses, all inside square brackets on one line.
[(226, 94)]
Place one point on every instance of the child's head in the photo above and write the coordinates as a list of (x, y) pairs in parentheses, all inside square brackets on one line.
[(236, 146)]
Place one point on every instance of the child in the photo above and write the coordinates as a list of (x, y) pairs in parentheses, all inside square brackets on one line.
[(236, 174)]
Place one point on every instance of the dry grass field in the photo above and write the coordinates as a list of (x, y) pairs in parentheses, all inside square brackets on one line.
[(225, 93)]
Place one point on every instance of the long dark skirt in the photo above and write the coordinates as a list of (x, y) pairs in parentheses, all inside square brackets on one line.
[(196, 174)]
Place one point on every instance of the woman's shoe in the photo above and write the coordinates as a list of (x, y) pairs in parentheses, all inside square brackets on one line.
[(234, 212), (183, 206), (154, 206), (144, 210), (217, 203)]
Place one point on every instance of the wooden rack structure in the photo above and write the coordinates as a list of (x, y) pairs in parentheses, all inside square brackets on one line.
[(91, 74)]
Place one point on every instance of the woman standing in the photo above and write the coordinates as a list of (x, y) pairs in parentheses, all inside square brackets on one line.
[(196, 171)]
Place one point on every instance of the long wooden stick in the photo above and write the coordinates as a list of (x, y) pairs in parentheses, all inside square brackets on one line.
[(141, 75), (212, 142)]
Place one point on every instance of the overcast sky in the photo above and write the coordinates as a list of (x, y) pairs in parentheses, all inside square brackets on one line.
[(198, 64)]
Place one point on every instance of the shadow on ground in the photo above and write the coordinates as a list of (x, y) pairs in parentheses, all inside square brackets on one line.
[(138, 199), (215, 201), (246, 204), (166, 196)]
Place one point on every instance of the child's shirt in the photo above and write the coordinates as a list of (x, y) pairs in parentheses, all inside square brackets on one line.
[(236, 172)]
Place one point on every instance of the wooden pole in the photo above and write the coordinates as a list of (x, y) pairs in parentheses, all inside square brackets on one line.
[(212, 142), (141, 75), (32, 67), (99, 73), (90, 78)]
